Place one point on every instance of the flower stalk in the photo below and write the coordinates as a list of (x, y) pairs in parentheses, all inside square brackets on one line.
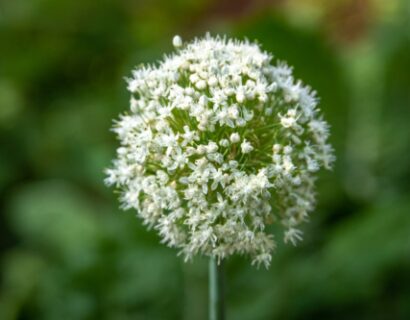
[(216, 290)]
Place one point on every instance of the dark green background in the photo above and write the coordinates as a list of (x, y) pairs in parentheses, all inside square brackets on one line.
[(68, 252)]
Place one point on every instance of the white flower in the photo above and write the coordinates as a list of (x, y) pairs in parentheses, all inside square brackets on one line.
[(287, 149), (212, 81), (293, 235), (201, 84), (217, 144), (224, 143), (240, 96), (289, 120), (246, 147), (276, 148), (235, 137), (177, 41)]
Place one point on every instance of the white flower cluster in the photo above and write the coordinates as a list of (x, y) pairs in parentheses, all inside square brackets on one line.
[(218, 145)]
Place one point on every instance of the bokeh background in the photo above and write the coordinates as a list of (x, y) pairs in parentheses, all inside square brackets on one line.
[(68, 252)]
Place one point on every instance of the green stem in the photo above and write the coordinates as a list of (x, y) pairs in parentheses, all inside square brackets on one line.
[(216, 290)]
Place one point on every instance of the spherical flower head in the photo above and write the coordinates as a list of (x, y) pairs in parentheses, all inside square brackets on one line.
[(219, 144)]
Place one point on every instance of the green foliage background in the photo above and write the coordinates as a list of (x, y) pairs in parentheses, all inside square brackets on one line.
[(68, 252)]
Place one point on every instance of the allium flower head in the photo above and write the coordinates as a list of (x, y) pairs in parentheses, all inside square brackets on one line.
[(218, 144)]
